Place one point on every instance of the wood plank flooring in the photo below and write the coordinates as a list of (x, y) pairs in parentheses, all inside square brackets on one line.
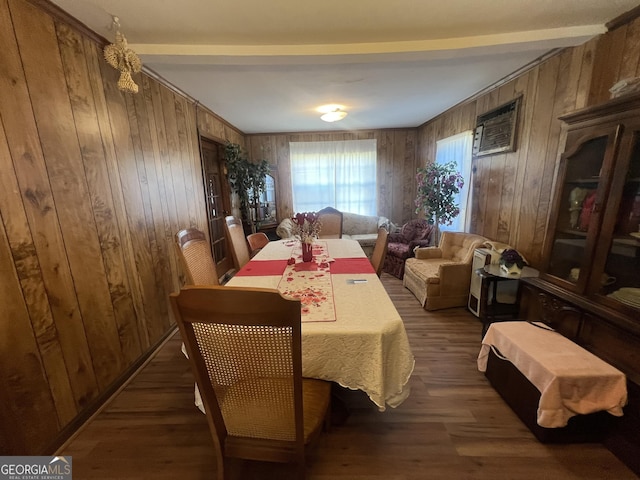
[(452, 426)]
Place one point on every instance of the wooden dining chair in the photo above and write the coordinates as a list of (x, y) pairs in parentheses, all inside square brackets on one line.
[(380, 250), (244, 346), (331, 223), (196, 258), (239, 247), (257, 242)]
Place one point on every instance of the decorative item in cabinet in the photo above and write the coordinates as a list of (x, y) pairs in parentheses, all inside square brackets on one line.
[(629, 217), (576, 198)]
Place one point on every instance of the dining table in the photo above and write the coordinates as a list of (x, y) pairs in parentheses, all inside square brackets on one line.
[(352, 333)]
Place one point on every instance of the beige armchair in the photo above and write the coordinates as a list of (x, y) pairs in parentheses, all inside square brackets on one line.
[(440, 276)]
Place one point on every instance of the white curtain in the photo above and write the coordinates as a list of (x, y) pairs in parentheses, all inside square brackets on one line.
[(334, 174), (457, 149)]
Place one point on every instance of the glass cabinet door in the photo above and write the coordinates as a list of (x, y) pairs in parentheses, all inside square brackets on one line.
[(263, 207), (620, 279), (268, 201), (582, 191), (592, 245)]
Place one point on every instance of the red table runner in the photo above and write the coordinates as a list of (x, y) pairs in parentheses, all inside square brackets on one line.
[(310, 282), (263, 268), (351, 265)]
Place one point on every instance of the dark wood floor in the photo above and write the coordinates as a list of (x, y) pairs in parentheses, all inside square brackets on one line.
[(452, 426)]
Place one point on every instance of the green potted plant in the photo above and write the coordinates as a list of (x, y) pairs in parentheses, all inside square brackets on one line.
[(437, 186), (247, 179)]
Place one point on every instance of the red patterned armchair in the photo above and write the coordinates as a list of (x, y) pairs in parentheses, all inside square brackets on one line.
[(414, 233)]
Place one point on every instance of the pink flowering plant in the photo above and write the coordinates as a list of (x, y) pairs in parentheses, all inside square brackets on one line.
[(306, 226), (438, 185)]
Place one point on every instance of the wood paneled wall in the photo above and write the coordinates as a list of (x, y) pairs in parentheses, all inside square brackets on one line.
[(397, 164), (94, 183), (511, 192)]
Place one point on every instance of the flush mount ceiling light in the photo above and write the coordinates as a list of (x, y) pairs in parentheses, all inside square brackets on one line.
[(332, 113)]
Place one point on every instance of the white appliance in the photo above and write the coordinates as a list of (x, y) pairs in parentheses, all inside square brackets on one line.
[(481, 257), (506, 292)]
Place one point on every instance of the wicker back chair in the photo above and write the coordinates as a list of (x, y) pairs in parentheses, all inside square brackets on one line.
[(195, 255), (331, 221), (239, 247), (380, 250), (244, 346)]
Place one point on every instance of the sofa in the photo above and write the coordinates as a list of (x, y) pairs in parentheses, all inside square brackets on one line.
[(440, 277), (361, 228), (364, 229)]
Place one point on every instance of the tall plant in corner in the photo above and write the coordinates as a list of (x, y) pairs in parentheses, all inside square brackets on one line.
[(438, 185), (247, 179)]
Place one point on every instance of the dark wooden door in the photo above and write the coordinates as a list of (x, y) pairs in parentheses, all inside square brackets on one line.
[(218, 204)]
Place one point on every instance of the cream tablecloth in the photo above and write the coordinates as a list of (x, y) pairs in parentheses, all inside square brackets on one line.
[(571, 380), (366, 347)]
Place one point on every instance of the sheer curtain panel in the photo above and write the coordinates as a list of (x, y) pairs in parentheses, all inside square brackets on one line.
[(334, 174), (457, 148)]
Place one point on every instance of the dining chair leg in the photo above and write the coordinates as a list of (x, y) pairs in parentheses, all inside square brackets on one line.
[(301, 468), (339, 412), (328, 418)]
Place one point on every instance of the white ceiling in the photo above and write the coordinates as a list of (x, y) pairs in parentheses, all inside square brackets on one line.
[(265, 66)]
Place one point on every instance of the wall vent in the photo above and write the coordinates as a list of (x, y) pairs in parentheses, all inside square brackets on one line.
[(496, 130)]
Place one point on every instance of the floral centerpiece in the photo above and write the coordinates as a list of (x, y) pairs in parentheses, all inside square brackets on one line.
[(511, 262), (306, 226), (438, 185)]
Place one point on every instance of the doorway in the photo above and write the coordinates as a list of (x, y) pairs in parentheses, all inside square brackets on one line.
[(218, 202)]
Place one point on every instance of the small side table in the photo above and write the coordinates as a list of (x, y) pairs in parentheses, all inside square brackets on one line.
[(495, 311)]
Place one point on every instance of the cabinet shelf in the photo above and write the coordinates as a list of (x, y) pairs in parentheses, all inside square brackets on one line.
[(577, 233), (583, 181), (627, 240)]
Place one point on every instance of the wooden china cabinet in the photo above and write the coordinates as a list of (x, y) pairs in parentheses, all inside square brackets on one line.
[(594, 239), (264, 210), (589, 284)]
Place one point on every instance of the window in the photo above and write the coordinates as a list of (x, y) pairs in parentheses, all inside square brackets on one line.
[(458, 149), (334, 174)]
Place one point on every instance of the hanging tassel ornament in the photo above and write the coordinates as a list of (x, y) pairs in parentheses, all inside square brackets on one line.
[(122, 58)]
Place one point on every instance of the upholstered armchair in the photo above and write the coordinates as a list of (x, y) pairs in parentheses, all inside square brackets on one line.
[(414, 233), (440, 276)]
